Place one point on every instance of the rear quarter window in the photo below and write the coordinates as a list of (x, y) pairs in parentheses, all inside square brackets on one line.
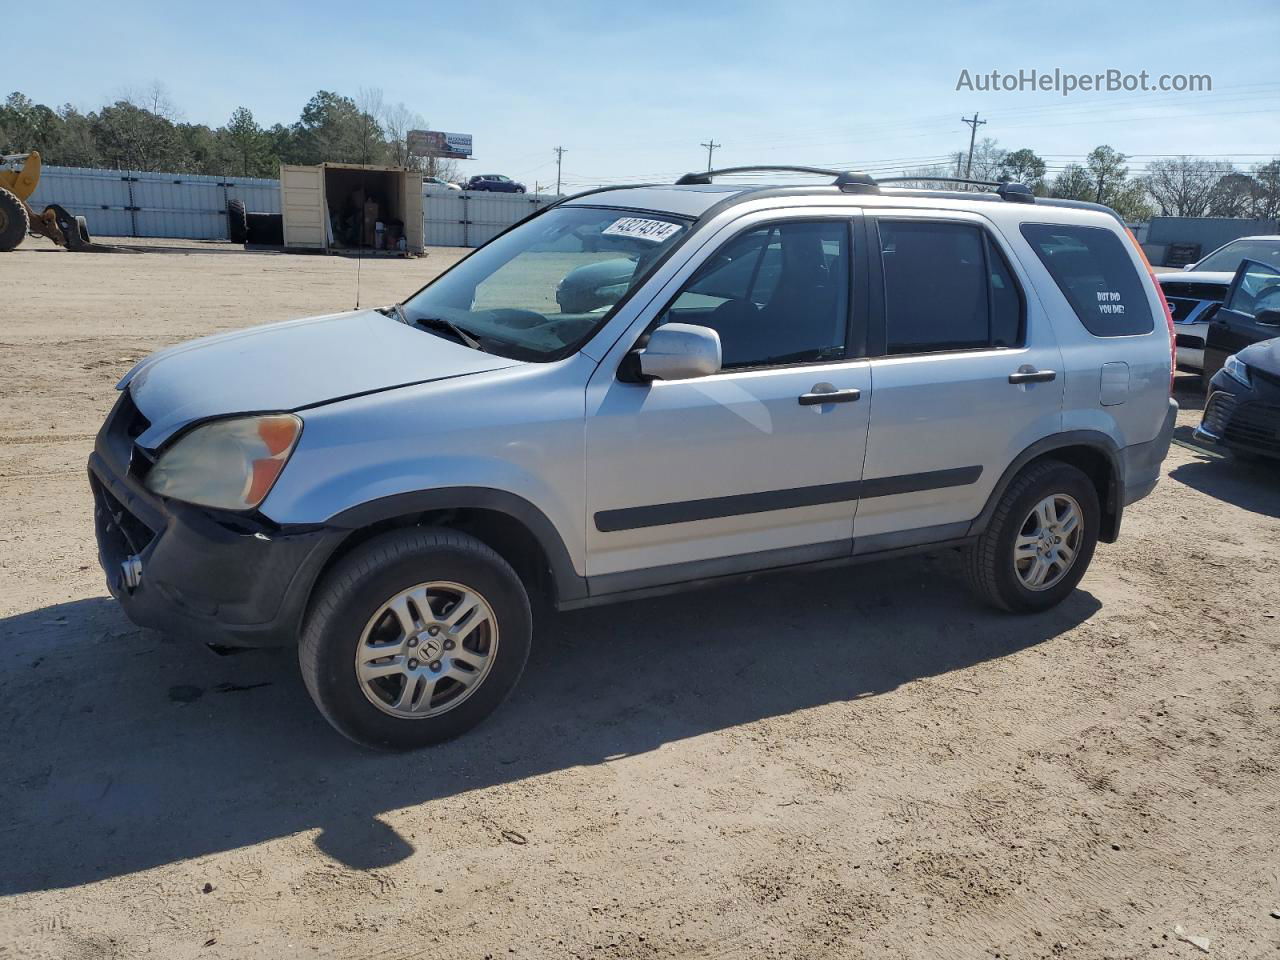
[(1093, 270)]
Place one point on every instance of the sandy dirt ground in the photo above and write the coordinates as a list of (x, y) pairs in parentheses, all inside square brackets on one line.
[(856, 763)]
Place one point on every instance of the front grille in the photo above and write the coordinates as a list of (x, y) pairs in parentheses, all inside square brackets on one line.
[(1194, 291), (120, 533), (1218, 412), (1250, 424), (1181, 307), (1255, 425)]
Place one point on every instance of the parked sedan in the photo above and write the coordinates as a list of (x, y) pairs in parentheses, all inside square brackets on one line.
[(437, 182), (494, 182), (1243, 409), (1196, 293)]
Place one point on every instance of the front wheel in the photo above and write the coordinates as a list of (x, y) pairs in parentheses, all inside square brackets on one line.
[(1039, 541), (414, 638)]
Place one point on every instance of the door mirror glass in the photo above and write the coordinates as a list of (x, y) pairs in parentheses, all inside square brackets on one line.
[(680, 351)]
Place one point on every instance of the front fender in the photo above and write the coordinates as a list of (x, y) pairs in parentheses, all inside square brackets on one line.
[(570, 585)]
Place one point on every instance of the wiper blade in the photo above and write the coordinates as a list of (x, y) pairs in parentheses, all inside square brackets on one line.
[(440, 323)]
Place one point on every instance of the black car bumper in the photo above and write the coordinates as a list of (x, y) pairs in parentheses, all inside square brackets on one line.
[(214, 577), (1244, 418)]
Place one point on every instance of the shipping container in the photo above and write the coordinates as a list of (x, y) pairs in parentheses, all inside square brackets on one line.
[(349, 206)]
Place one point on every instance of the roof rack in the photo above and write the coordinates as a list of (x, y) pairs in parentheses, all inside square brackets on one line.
[(1013, 192), (848, 181)]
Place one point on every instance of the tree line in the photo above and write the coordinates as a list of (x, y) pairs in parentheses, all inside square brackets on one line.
[(143, 130), (1172, 186)]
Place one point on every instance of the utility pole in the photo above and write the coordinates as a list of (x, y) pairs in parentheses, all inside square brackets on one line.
[(559, 154), (974, 124), (711, 146)]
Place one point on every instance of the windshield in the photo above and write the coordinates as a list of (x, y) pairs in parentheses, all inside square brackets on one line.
[(1229, 257), (540, 290)]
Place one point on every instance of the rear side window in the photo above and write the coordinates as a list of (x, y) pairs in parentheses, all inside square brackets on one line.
[(1093, 270), (946, 287)]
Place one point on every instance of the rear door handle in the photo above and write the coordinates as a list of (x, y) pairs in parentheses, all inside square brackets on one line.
[(1033, 376), (829, 396)]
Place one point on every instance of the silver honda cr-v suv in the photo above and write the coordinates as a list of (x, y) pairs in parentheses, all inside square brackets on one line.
[(630, 391)]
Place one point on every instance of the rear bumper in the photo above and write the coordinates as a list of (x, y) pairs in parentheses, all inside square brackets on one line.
[(222, 579), (1142, 461)]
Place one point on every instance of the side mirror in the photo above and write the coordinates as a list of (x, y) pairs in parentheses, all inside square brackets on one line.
[(1269, 318), (680, 351)]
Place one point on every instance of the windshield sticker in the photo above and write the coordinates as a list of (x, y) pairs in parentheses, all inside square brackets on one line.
[(654, 231)]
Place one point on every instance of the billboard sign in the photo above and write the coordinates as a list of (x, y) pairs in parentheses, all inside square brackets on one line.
[(436, 143)]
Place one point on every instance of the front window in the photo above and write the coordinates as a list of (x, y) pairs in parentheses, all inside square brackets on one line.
[(777, 294), (540, 290), (1229, 258)]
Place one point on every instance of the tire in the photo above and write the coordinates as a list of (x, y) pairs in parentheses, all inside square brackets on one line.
[(990, 563), (237, 221), (82, 227), (346, 619), (14, 222)]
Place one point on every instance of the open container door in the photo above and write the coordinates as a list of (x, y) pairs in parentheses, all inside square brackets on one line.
[(412, 212), (303, 205)]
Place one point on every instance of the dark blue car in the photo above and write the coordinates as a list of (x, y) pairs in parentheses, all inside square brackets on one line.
[(495, 182)]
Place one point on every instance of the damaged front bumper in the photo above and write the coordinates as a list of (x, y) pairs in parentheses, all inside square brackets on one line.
[(217, 577)]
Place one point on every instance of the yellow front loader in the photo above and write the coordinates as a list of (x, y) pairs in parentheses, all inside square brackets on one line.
[(17, 218)]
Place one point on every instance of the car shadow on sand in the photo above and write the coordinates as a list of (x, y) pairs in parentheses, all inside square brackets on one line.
[(1249, 485), (123, 750)]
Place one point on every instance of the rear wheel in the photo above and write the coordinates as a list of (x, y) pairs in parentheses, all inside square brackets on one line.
[(13, 220), (1039, 541), (414, 638)]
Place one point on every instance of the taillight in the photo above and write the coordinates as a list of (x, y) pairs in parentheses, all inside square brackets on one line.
[(1168, 313)]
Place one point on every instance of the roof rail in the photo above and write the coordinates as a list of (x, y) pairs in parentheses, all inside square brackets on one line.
[(848, 181), (1012, 192)]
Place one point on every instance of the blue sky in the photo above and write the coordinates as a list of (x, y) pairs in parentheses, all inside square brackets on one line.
[(631, 89)]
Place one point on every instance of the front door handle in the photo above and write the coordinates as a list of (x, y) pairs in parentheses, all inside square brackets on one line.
[(829, 395), (1029, 375)]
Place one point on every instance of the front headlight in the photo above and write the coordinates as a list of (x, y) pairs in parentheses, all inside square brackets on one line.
[(1237, 369), (229, 464)]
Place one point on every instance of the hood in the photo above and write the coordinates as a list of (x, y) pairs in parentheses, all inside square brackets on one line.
[(1196, 276), (289, 366), (1264, 355)]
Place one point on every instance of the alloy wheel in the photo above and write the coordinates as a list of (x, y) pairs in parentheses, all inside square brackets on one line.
[(1048, 542), (426, 650)]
